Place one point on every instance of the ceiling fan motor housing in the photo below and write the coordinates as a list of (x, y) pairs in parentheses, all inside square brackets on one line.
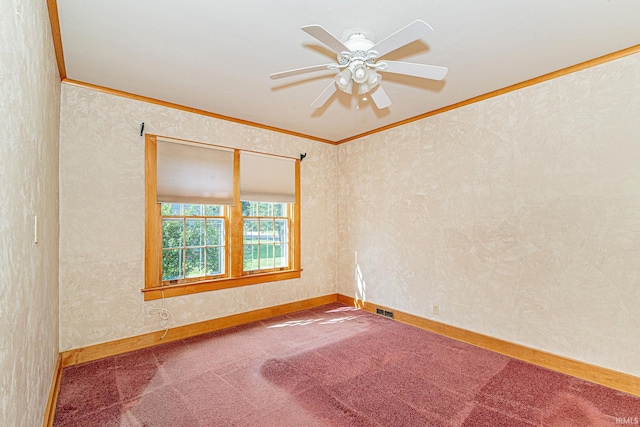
[(357, 63), (358, 41)]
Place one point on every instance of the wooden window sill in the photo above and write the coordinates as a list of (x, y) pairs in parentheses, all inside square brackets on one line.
[(217, 284)]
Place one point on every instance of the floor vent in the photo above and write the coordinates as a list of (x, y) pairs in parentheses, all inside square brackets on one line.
[(385, 313)]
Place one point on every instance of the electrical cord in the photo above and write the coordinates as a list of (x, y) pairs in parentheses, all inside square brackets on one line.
[(166, 318)]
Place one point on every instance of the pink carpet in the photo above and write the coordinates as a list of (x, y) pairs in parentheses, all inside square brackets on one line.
[(329, 366)]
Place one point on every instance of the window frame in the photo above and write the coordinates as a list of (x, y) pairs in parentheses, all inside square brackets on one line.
[(153, 287)]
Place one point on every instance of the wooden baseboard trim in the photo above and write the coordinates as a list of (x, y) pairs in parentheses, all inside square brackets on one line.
[(50, 409), (596, 374), (125, 345)]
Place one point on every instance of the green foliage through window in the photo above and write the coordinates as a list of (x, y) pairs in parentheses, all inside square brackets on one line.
[(193, 241)]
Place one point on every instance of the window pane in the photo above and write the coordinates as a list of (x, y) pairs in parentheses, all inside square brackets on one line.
[(195, 232), (266, 256), (215, 261), (172, 233), (282, 256), (266, 238), (250, 231), (215, 232), (265, 209), (281, 231), (248, 208), (266, 231), (194, 247), (279, 209), (213, 210), (172, 264), (171, 208), (250, 257), (193, 210), (194, 262)]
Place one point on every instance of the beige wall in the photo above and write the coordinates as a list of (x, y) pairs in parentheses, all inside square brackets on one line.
[(102, 217), (519, 216), (29, 127)]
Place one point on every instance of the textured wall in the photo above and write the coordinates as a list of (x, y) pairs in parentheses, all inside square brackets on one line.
[(102, 217), (519, 216), (29, 127)]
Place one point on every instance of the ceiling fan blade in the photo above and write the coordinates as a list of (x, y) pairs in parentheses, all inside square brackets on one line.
[(433, 72), (404, 36), (380, 98), (325, 37), (324, 96), (296, 71)]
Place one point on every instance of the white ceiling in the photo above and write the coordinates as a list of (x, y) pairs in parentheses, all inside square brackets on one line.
[(217, 55)]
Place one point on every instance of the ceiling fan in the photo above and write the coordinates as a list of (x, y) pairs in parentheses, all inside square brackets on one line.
[(358, 62)]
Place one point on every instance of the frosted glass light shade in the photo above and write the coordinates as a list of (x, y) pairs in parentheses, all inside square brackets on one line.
[(343, 81)]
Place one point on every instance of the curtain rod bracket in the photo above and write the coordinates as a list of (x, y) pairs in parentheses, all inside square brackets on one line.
[(302, 156), (141, 128)]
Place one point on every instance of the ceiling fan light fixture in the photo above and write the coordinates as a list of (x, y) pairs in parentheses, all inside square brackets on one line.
[(373, 79), (344, 81), (364, 88), (360, 73)]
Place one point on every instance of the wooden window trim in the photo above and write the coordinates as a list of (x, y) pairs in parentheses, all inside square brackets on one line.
[(153, 239)]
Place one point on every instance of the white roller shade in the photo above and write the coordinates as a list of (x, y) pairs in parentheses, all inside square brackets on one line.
[(194, 173), (265, 178)]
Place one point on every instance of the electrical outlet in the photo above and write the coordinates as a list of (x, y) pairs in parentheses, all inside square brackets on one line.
[(436, 310)]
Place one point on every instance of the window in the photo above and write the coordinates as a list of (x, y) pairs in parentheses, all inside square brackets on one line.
[(266, 236), (242, 227), (193, 242)]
